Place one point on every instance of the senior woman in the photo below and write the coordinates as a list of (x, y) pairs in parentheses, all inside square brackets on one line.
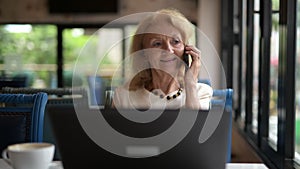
[(161, 79)]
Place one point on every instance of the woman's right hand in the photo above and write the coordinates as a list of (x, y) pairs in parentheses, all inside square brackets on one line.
[(193, 71)]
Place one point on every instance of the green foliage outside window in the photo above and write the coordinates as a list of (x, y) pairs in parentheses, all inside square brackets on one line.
[(38, 46)]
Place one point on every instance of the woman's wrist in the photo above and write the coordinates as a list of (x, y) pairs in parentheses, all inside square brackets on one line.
[(191, 84), (192, 100)]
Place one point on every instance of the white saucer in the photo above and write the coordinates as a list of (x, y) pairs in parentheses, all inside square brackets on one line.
[(56, 165)]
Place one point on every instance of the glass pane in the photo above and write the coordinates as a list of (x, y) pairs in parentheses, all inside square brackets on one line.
[(256, 5), (73, 40), (92, 57), (97, 46), (275, 5), (297, 99), (243, 64), (243, 91), (273, 112), (256, 35), (129, 32), (29, 53)]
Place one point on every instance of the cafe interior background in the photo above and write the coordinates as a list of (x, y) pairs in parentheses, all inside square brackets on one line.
[(257, 41)]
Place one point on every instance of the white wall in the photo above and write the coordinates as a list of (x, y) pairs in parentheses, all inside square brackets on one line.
[(209, 23), (36, 11)]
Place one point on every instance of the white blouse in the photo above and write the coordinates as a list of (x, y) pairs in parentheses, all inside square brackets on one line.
[(142, 98)]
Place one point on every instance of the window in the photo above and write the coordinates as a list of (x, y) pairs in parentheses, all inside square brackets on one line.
[(95, 52), (32, 50), (93, 56), (272, 72), (90, 49), (29, 51)]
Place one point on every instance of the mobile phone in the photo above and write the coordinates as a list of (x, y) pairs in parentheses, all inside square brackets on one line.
[(186, 59)]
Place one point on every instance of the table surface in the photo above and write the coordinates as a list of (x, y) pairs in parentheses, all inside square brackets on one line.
[(58, 165)]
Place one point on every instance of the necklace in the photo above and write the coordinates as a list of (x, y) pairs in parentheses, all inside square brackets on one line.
[(178, 93), (175, 95)]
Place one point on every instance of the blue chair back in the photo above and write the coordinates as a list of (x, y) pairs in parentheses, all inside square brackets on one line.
[(21, 118), (56, 97), (205, 81), (96, 86), (223, 97)]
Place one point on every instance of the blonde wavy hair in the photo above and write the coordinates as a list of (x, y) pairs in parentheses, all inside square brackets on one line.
[(142, 73)]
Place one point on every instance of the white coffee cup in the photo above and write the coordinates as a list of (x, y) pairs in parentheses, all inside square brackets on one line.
[(29, 155)]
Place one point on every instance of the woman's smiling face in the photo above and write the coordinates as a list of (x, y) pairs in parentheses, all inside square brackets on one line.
[(164, 51)]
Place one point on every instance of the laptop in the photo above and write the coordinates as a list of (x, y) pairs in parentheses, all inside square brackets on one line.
[(150, 142)]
